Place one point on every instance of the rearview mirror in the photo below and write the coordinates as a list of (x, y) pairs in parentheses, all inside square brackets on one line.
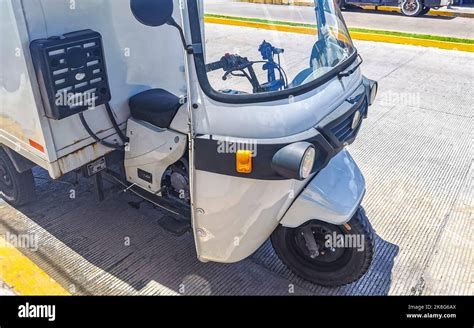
[(152, 12)]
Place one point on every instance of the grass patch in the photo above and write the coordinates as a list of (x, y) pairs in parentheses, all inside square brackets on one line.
[(351, 29)]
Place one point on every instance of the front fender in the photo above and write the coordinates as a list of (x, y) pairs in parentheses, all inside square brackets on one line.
[(332, 196)]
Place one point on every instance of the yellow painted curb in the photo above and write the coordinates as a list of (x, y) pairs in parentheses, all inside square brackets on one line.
[(380, 8), (23, 276), (355, 35), (280, 28), (413, 41)]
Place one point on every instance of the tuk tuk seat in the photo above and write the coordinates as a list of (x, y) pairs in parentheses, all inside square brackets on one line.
[(155, 106)]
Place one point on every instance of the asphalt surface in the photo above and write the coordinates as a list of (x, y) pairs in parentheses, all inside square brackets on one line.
[(445, 26), (415, 150)]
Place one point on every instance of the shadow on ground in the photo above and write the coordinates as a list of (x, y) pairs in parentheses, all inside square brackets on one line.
[(130, 245)]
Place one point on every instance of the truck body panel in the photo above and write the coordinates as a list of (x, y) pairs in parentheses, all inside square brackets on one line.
[(60, 146)]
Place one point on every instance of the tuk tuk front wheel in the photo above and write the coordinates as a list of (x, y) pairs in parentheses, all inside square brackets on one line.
[(16, 188), (327, 254)]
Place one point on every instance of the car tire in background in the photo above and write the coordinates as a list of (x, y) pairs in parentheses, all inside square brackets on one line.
[(411, 8), (16, 188), (425, 11)]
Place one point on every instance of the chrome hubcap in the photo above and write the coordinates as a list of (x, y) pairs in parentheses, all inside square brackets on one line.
[(410, 6)]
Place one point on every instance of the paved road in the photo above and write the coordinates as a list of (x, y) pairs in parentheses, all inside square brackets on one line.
[(447, 26)]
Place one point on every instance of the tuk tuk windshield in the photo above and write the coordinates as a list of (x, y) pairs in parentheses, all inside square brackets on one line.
[(254, 48)]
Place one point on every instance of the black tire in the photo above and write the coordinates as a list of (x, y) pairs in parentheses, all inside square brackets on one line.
[(425, 11), (17, 189), (411, 8), (331, 268)]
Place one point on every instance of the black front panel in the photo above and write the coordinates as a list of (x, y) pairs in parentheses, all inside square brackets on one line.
[(71, 73), (209, 158), (341, 126)]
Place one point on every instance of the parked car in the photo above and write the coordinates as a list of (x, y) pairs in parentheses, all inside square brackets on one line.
[(407, 7)]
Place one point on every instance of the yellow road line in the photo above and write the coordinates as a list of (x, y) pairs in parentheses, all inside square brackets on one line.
[(24, 276), (355, 35)]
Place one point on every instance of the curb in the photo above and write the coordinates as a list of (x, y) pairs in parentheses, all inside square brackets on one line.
[(23, 275), (413, 41), (355, 35)]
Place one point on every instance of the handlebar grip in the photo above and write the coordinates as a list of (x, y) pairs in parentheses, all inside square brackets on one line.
[(278, 50), (215, 66)]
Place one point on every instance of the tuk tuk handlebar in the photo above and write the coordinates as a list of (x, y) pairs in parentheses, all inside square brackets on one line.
[(229, 63), (236, 65)]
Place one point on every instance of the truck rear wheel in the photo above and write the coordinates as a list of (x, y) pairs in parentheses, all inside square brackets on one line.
[(15, 188), (411, 8), (330, 263)]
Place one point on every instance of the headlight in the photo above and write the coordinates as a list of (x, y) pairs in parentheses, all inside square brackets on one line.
[(356, 120), (295, 161), (374, 86), (372, 89), (307, 163)]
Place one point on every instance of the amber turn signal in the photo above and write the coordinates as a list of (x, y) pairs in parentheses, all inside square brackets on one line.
[(244, 161)]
